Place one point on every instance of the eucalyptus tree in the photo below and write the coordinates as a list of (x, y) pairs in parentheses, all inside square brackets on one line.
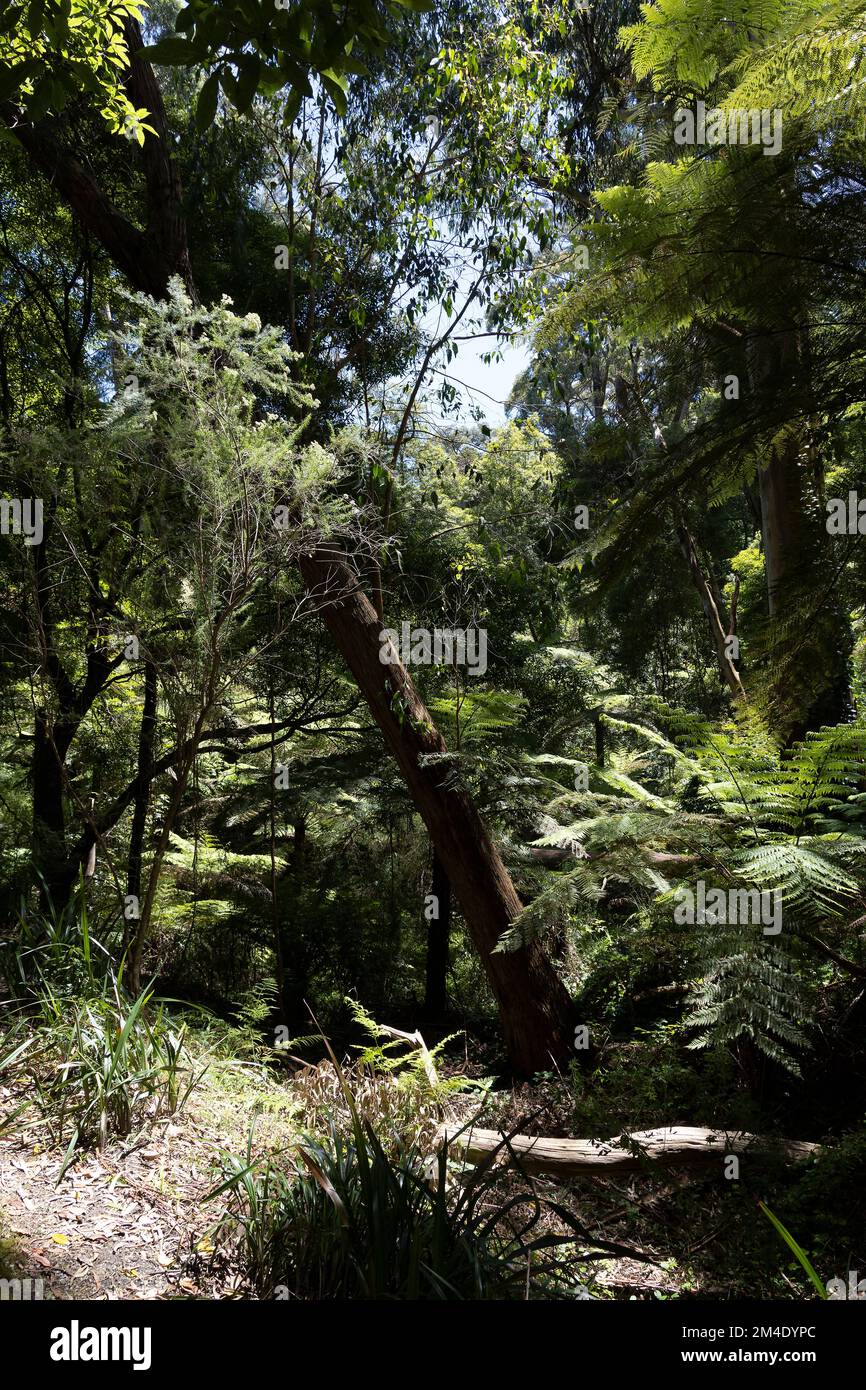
[(152, 246)]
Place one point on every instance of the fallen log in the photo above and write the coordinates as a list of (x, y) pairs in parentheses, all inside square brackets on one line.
[(677, 1146)]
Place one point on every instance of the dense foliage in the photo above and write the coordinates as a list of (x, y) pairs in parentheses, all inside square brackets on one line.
[(615, 840)]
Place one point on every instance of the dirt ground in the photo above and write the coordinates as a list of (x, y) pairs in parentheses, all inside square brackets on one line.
[(127, 1222), (131, 1223), (114, 1227)]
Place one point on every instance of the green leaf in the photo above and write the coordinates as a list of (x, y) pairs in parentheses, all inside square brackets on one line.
[(35, 15), (207, 102), (288, 74), (336, 87), (796, 1249), (248, 82), (40, 102), (11, 79), (292, 107), (172, 52), (229, 84)]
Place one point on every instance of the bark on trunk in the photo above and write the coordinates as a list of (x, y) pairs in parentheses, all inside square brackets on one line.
[(813, 681), (598, 729), (49, 821), (781, 520), (146, 736), (147, 258), (166, 222), (438, 935), (160, 849), (774, 360), (276, 928), (534, 1005)]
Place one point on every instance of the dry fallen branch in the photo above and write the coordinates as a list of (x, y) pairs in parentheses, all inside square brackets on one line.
[(675, 1146)]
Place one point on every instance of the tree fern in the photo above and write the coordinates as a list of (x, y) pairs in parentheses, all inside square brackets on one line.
[(741, 814), (750, 990)]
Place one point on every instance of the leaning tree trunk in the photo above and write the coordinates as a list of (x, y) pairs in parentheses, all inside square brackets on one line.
[(533, 1003), (438, 933), (720, 631), (141, 805)]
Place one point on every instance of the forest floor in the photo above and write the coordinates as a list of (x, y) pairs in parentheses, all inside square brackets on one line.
[(130, 1222)]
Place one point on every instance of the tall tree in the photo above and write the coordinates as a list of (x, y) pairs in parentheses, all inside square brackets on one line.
[(534, 1004)]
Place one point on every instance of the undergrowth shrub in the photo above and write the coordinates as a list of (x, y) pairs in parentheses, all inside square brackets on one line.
[(360, 1210), (96, 1062), (344, 1219), (392, 1083)]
